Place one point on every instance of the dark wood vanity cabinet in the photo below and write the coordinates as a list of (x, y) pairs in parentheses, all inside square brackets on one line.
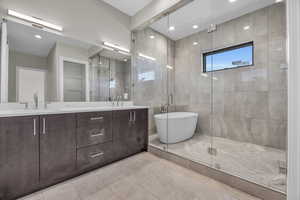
[(38, 151), (130, 132), (19, 156), (94, 139), (94, 128), (57, 147)]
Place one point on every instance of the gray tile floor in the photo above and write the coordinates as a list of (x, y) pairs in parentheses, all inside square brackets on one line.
[(141, 177), (252, 162)]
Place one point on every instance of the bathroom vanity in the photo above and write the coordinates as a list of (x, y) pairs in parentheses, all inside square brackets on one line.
[(42, 148)]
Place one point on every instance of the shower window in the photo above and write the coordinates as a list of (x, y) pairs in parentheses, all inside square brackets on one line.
[(228, 58)]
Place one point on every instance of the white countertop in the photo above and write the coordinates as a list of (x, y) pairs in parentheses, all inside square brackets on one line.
[(65, 110)]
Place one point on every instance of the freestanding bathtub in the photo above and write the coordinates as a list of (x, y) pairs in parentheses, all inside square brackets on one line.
[(176, 126)]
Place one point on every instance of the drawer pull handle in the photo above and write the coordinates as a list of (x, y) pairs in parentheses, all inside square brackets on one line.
[(96, 118), (97, 134), (97, 155)]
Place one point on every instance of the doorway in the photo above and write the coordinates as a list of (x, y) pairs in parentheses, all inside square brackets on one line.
[(30, 81)]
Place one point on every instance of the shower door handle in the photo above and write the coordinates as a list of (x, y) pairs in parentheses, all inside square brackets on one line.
[(171, 99)]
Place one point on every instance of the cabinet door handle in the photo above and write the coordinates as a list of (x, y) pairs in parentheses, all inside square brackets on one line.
[(34, 127), (96, 118), (44, 126), (97, 155), (130, 118), (134, 116)]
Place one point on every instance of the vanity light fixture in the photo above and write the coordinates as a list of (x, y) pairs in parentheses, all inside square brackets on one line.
[(171, 28), (124, 53), (195, 26), (38, 37), (147, 57), (116, 47), (107, 48), (34, 20)]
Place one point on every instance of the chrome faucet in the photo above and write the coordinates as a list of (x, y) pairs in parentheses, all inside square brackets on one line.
[(36, 101), (164, 108), (118, 100)]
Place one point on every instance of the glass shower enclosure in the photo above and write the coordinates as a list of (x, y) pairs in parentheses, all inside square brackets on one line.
[(230, 77)]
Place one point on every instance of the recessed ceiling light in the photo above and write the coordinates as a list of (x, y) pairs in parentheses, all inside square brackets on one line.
[(152, 36), (278, 1), (38, 37), (171, 28), (246, 27), (125, 60), (195, 43), (232, 1), (195, 26)]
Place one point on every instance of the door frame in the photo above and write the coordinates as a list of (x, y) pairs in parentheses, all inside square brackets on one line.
[(33, 69), (62, 59), (293, 19), (4, 63)]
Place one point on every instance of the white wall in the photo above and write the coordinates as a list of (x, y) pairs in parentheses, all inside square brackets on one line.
[(92, 21)]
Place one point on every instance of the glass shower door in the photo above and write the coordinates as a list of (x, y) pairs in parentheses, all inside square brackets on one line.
[(150, 82), (249, 97)]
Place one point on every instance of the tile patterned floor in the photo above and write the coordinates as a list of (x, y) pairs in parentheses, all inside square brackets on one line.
[(141, 177), (252, 162)]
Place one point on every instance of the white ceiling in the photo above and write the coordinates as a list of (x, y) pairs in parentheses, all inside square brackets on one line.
[(129, 7), (203, 13), (21, 38)]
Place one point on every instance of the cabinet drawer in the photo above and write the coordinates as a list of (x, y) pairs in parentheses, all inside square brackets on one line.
[(93, 156), (93, 135), (94, 119)]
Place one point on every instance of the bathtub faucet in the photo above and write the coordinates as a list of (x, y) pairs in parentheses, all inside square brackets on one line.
[(164, 108)]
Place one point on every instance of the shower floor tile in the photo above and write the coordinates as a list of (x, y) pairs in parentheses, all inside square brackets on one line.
[(252, 162)]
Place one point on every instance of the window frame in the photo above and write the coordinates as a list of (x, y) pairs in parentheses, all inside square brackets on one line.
[(247, 44)]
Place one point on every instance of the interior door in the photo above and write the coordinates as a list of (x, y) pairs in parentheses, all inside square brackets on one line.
[(19, 156)]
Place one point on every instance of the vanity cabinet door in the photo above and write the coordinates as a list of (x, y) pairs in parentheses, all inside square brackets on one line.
[(121, 131), (19, 156), (138, 138), (57, 147), (130, 129)]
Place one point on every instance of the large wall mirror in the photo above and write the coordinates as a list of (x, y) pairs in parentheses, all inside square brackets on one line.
[(56, 68)]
